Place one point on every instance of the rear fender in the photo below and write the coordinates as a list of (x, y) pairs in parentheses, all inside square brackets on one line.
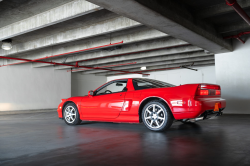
[(148, 99)]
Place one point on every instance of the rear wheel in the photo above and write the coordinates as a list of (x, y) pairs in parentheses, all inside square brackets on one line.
[(71, 114), (156, 116)]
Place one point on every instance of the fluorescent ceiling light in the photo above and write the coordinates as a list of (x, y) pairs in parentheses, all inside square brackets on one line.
[(7, 44), (143, 68)]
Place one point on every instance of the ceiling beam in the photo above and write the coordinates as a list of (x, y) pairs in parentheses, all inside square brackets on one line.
[(129, 36), (220, 9), (53, 16), (153, 63), (101, 28), (14, 11), (63, 64), (170, 18), (143, 46), (235, 27), (152, 56), (157, 67)]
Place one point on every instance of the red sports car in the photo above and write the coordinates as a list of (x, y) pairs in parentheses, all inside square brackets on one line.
[(134, 100)]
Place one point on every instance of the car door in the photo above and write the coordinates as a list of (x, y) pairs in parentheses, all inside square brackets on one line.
[(106, 102)]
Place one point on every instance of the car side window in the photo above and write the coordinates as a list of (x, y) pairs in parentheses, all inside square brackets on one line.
[(113, 87), (140, 84), (148, 83)]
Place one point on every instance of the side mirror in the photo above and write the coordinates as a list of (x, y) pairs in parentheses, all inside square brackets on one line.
[(91, 93)]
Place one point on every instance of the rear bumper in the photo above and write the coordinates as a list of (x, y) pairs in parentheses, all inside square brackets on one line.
[(209, 114), (198, 106), (208, 104)]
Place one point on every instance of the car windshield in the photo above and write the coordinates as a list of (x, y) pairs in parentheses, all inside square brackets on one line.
[(143, 83)]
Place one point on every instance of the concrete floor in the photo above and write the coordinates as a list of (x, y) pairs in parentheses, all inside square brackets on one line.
[(43, 139)]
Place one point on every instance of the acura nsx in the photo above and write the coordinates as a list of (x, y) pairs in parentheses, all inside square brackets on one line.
[(135, 100)]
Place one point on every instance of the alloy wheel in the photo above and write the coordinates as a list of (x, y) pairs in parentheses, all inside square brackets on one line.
[(154, 116), (70, 114)]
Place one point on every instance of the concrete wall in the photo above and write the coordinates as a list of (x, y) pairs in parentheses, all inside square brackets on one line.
[(232, 73), (27, 88), (180, 76), (82, 84)]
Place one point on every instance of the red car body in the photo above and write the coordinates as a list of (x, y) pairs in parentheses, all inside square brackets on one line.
[(183, 102)]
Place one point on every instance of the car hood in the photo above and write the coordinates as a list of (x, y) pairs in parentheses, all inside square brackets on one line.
[(72, 98)]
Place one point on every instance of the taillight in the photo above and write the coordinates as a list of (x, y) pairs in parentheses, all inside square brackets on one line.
[(208, 90), (204, 92), (217, 92)]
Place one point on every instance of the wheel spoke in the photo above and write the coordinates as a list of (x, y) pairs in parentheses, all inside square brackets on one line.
[(68, 119), (148, 117), (153, 107), (157, 123), (148, 111), (151, 124), (67, 110), (159, 111), (161, 118)]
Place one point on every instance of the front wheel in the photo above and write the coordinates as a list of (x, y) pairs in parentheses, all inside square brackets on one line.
[(156, 116), (71, 114)]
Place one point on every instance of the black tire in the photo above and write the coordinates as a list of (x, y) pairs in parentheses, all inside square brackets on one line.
[(71, 115), (155, 120)]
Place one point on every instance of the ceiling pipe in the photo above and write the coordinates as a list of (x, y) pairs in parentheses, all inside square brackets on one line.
[(63, 64), (234, 4), (238, 36), (171, 68), (105, 66), (136, 52), (73, 52)]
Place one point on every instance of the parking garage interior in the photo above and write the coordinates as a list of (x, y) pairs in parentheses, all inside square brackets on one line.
[(57, 49)]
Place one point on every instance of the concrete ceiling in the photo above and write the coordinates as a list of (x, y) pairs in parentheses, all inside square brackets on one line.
[(41, 29), (170, 17), (81, 21), (225, 20), (15, 10)]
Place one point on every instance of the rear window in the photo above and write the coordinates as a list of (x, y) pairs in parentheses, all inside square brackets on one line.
[(148, 83)]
